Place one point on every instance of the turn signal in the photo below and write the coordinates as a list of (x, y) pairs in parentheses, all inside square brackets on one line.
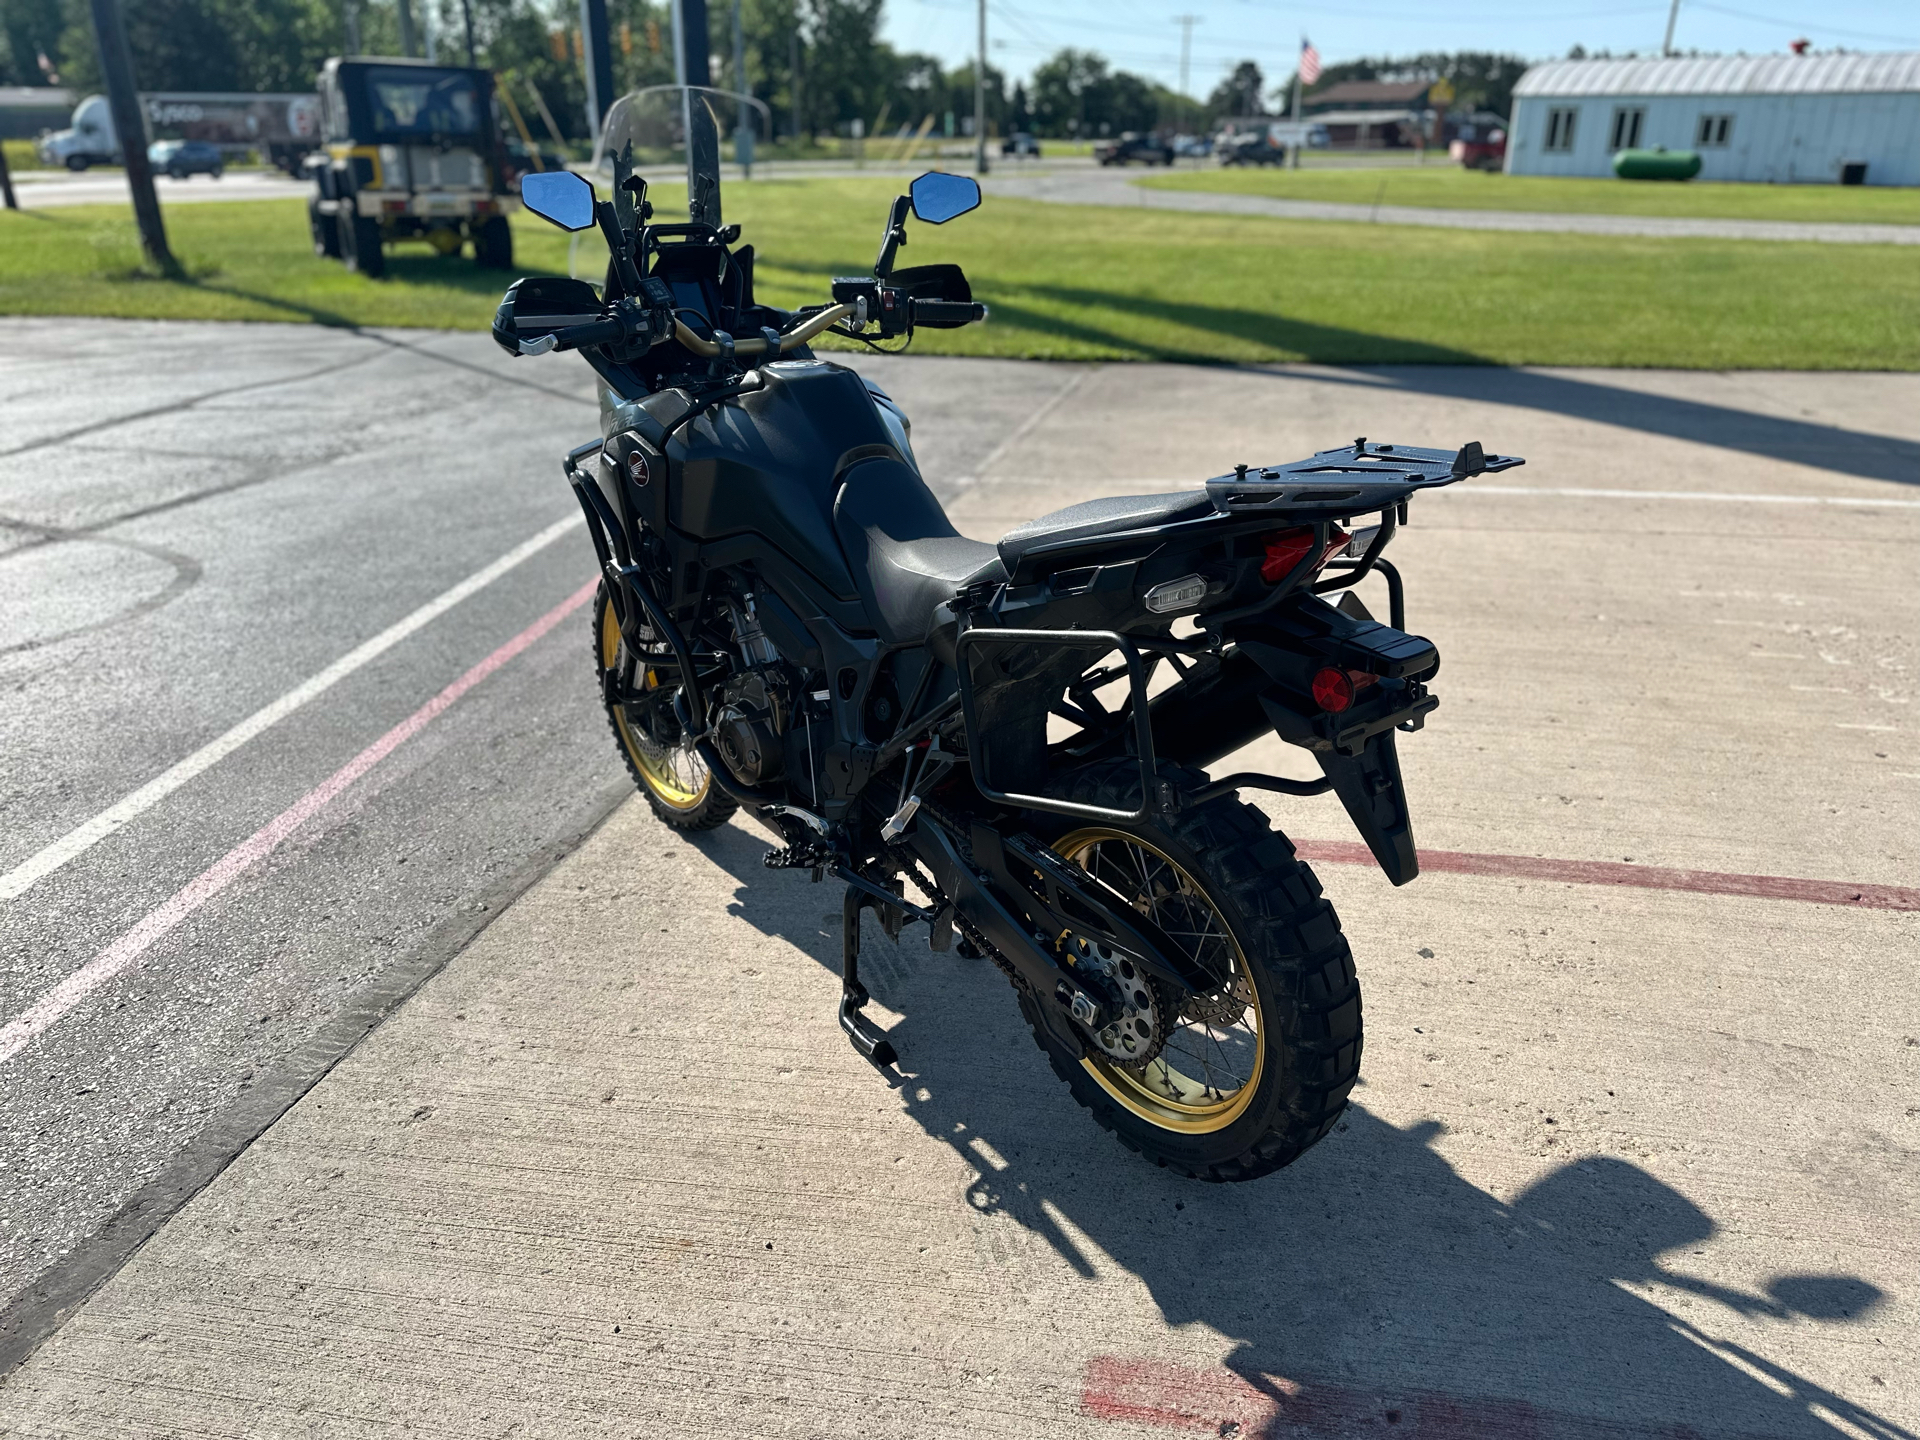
[(1287, 548), (1332, 689)]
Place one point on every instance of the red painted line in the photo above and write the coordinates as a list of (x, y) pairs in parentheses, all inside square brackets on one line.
[(1219, 1401), (1645, 877), (62, 998)]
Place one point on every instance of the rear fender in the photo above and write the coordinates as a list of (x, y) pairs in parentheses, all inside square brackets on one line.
[(1355, 747)]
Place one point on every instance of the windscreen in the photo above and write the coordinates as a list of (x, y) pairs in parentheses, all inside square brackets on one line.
[(683, 132), (407, 105)]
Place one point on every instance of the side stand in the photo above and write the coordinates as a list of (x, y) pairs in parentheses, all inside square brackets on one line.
[(867, 1037)]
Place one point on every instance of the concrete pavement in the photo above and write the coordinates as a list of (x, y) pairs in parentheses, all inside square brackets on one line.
[(1625, 1160), (196, 521)]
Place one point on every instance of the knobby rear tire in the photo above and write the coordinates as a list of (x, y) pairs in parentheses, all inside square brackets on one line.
[(1297, 959)]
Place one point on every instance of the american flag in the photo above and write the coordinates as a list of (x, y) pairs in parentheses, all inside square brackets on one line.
[(1309, 62)]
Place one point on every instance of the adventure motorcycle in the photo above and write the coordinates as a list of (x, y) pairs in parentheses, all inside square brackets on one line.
[(789, 623)]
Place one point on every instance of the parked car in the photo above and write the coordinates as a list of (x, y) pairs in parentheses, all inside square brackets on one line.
[(1267, 144), (1132, 147), (1192, 147), (1481, 144), (1020, 146), (181, 158)]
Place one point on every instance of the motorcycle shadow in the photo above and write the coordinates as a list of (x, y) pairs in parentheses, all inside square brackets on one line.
[(1369, 1284)]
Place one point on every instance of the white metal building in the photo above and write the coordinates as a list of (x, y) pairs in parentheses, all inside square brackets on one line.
[(1778, 118)]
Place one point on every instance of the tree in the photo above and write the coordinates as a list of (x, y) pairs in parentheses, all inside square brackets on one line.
[(1239, 93), (1061, 87), (1480, 80), (28, 30)]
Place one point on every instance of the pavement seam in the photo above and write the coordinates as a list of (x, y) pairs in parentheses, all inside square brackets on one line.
[(58, 1293)]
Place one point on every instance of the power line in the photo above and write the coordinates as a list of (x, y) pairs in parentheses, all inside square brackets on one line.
[(1804, 26)]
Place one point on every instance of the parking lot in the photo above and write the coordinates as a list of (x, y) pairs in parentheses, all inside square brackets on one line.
[(1633, 1151)]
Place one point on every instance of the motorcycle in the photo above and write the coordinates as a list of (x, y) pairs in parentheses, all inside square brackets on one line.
[(1020, 732)]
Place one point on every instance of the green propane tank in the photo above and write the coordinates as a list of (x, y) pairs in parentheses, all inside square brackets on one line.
[(1657, 164)]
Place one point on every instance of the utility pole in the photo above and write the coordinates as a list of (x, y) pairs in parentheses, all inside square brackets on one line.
[(598, 44), (793, 75), (407, 43), (1666, 45), (116, 64), (743, 127), (694, 65), (466, 14), (980, 98), (1186, 24), (6, 183), (353, 27)]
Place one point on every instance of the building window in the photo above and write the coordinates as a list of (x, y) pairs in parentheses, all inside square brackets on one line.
[(1560, 129), (1627, 121), (1714, 131)]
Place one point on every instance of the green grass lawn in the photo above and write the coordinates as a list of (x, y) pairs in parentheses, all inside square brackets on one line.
[(1083, 283), (1447, 186)]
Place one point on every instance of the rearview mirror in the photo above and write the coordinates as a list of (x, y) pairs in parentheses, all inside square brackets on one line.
[(939, 197), (559, 196)]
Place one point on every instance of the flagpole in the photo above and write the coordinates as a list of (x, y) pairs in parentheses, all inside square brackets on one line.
[(1296, 104)]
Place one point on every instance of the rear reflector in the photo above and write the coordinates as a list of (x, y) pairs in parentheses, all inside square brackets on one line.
[(1332, 690)]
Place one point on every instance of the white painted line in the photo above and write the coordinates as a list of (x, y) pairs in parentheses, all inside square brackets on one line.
[(1885, 729), (48, 1010), (1716, 495), (78, 841)]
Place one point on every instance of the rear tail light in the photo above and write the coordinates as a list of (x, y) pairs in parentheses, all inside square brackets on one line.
[(1286, 548)]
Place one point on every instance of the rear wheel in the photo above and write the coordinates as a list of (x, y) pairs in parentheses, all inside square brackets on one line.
[(493, 244), (1242, 1080), (664, 767)]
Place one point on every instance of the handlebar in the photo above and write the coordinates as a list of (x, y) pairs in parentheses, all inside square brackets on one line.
[(792, 340), (946, 314)]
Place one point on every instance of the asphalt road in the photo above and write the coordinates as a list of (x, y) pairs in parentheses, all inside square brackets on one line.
[(1075, 181), (1634, 1151), (194, 521)]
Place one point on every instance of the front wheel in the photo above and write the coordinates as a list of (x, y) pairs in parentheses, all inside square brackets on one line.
[(664, 766), (360, 244), (1244, 1079)]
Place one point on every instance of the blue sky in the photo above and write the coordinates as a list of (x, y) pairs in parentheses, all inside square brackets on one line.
[(1141, 35)]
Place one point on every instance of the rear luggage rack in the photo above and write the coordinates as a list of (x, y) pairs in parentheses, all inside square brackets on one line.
[(1350, 480)]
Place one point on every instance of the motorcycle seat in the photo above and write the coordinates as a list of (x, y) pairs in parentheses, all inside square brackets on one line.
[(906, 557), (1096, 518)]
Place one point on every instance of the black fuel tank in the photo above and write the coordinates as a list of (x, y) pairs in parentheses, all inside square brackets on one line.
[(770, 462)]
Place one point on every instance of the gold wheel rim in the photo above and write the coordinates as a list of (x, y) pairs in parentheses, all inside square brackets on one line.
[(1165, 1092), (676, 777)]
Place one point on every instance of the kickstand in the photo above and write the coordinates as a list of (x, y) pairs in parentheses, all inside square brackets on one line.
[(867, 1037)]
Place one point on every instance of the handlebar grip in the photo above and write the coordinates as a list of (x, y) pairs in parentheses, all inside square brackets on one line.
[(938, 314), (597, 332)]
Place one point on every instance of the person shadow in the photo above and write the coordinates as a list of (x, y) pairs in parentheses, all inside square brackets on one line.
[(1367, 1288)]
